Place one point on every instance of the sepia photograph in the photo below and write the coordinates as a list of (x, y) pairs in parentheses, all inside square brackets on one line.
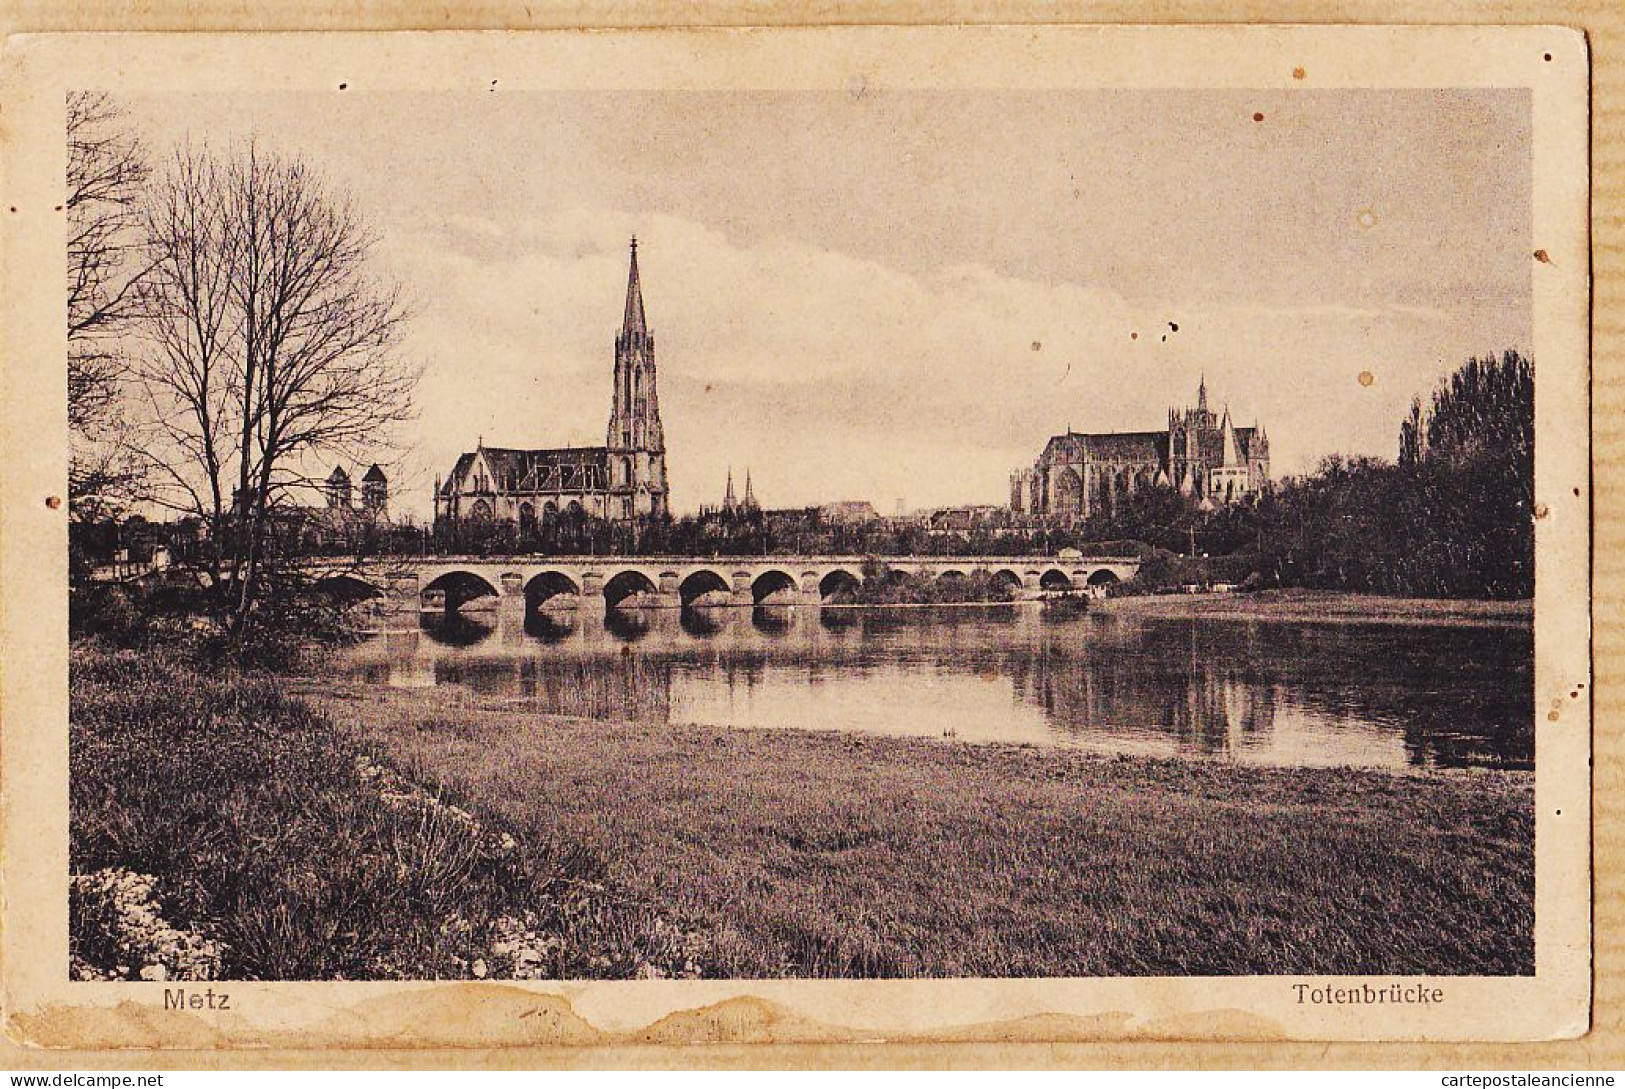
[(532, 529)]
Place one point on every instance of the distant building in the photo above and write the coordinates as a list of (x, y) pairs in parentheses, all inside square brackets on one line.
[(848, 512), (622, 480), (338, 489), (1207, 459), (375, 491), (963, 519), (341, 522), (732, 506)]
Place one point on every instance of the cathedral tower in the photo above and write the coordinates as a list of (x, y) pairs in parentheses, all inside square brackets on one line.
[(636, 440)]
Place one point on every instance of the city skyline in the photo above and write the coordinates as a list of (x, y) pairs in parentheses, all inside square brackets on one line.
[(851, 324)]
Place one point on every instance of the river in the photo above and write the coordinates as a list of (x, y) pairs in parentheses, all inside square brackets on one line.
[(1265, 692)]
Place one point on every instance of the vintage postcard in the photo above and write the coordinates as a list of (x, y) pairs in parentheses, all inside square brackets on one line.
[(796, 535)]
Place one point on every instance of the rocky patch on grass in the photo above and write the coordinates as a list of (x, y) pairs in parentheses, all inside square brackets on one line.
[(119, 926)]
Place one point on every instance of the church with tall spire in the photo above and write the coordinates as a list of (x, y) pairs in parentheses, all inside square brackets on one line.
[(623, 480), (1205, 457)]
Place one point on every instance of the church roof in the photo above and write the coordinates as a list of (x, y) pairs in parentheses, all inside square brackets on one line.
[(338, 475), (522, 464), (632, 321), (375, 474)]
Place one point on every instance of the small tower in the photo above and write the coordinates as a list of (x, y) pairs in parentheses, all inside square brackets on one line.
[(750, 495), (728, 503), (338, 489), (375, 491)]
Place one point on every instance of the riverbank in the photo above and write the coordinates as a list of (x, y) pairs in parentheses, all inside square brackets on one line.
[(299, 829), (824, 854), (222, 828), (1325, 606)]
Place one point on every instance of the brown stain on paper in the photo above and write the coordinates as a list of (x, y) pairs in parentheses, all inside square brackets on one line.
[(496, 1015)]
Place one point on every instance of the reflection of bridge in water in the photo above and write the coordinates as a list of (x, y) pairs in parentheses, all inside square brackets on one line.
[(450, 583)]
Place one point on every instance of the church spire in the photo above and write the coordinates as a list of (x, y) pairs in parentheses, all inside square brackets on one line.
[(750, 495), (1201, 390), (633, 320), (728, 496)]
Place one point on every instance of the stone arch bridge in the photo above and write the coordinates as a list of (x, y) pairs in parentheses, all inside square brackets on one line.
[(546, 582)]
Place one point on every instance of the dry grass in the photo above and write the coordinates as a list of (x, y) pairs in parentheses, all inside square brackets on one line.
[(823, 854)]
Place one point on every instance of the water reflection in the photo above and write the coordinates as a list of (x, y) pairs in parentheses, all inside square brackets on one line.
[(550, 627), (1264, 692), (458, 629), (630, 625)]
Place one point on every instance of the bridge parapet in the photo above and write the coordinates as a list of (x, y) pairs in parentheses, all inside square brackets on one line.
[(452, 581)]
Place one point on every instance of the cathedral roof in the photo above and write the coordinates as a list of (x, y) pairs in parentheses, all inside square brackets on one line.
[(1103, 442), (375, 474), (338, 475)]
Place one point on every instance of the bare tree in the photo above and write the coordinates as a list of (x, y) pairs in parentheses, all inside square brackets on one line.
[(106, 173), (270, 343)]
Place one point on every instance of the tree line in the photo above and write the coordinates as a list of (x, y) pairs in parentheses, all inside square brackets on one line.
[(1451, 516)]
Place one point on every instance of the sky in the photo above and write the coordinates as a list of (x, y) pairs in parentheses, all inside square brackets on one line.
[(899, 296)]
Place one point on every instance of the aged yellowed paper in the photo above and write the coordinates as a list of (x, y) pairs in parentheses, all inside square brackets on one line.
[(847, 232)]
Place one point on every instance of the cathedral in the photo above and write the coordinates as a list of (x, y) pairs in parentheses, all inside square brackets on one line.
[(622, 480), (1208, 459)]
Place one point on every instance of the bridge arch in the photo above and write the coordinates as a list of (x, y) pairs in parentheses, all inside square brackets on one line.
[(1054, 579), (1103, 577), (839, 583), (769, 583), (347, 589), (459, 588), (1007, 578), (699, 583), (624, 584), (547, 585)]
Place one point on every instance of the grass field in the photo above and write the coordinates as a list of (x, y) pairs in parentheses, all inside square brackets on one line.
[(1325, 606), (825, 854), (377, 834)]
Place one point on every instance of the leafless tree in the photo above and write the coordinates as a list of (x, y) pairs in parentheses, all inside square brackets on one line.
[(106, 174), (269, 343)]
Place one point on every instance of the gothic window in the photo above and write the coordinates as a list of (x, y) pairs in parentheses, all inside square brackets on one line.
[(527, 518), (480, 511), (1068, 492)]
